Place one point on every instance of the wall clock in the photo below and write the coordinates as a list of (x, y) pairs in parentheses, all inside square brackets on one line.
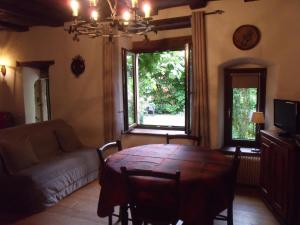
[(246, 37), (77, 65)]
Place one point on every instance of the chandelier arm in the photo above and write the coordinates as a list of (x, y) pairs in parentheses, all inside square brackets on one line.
[(112, 26), (113, 9)]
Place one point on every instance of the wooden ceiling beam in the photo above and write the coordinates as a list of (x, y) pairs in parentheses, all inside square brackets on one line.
[(177, 43), (19, 15), (54, 8), (196, 4), (167, 4), (14, 27), (41, 65), (172, 23), (32, 17)]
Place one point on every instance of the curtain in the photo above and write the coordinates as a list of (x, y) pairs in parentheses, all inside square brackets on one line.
[(199, 80), (109, 75)]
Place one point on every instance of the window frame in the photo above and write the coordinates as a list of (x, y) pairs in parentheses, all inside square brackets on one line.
[(170, 44), (228, 95), (128, 126)]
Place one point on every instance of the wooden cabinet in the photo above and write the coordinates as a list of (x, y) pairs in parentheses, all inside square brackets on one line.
[(280, 177)]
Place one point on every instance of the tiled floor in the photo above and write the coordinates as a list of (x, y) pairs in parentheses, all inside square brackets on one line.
[(80, 209)]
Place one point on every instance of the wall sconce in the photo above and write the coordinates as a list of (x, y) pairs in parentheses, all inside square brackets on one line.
[(3, 70)]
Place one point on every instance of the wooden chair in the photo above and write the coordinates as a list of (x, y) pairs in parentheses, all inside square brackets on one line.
[(232, 180), (102, 152), (196, 140), (155, 202)]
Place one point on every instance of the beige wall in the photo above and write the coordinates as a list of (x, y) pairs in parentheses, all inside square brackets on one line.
[(11, 87), (277, 50), (132, 140), (79, 101)]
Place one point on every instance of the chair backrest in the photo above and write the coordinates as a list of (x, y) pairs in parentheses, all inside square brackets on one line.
[(103, 150), (154, 197), (196, 140), (236, 160), (234, 168)]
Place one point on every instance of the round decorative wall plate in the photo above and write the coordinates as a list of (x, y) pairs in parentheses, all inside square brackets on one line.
[(77, 65), (246, 37)]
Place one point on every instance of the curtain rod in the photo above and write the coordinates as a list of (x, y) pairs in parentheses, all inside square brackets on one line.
[(218, 11)]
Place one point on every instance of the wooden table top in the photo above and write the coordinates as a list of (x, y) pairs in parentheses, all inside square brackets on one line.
[(193, 162)]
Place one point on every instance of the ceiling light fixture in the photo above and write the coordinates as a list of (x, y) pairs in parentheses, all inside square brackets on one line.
[(131, 22)]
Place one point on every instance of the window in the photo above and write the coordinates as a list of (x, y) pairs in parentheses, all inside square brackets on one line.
[(156, 87), (130, 86), (244, 94)]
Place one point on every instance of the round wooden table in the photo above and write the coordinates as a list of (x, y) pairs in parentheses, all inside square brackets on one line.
[(204, 180)]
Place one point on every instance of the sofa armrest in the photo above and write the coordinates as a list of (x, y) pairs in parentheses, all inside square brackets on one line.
[(18, 193)]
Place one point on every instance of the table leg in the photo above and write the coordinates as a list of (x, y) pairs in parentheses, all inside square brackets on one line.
[(124, 214)]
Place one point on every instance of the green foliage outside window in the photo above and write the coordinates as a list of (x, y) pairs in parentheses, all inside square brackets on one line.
[(162, 81), (244, 103)]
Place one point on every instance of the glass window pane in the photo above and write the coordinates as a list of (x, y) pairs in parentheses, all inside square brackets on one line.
[(130, 87), (244, 103), (161, 88)]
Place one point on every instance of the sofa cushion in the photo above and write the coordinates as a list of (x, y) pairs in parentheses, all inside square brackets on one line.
[(52, 178), (17, 155), (44, 144), (67, 139)]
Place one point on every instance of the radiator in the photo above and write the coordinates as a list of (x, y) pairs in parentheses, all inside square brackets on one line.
[(249, 169)]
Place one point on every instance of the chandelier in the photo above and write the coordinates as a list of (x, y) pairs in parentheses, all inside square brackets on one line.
[(134, 19)]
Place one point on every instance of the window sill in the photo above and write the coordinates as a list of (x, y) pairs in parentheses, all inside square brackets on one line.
[(155, 132), (244, 151)]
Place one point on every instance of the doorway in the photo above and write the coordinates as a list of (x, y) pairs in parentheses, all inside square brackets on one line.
[(36, 90)]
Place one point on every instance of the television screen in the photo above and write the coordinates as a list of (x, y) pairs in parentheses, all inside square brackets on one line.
[(286, 115)]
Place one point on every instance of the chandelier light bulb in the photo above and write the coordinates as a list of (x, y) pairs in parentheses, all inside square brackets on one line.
[(126, 17), (147, 10), (94, 15), (134, 3), (93, 3), (75, 7)]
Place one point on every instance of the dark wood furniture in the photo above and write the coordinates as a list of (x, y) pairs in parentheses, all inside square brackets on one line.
[(233, 181), (205, 185), (155, 202), (102, 153), (279, 179), (196, 140)]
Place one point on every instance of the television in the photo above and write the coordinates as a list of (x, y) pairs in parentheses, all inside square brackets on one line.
[(287, 116)]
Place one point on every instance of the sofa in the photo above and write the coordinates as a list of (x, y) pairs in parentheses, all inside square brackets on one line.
[(6, 120), (42, 163)]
